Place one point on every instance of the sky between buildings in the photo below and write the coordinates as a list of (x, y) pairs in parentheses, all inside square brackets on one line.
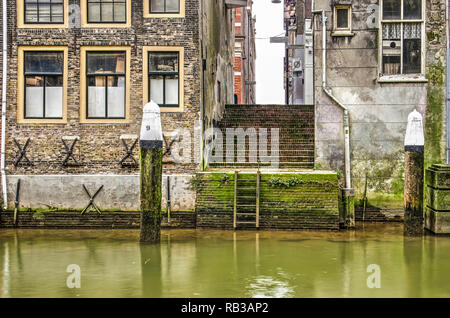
[(269, 57)]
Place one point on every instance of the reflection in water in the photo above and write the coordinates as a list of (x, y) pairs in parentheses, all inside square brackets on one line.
[(268, 287), (206, 263), (5, 272)]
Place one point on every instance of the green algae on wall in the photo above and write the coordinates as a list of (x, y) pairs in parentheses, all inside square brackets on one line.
[(312, 192), (434, 114)]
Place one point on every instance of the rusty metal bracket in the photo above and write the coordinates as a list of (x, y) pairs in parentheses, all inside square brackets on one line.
[(129, 151), (91, 200), (69, 153), (22, 153)]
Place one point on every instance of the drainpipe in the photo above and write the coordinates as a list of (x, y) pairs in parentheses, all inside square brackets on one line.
[(4, 79), (448, 81), (328, 92), (348, 193)]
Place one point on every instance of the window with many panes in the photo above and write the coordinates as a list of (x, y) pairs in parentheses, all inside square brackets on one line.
[(106, 84), (43, 73), (164, 6), (402, 28), (164, 78), (106, 11), (44, 11)]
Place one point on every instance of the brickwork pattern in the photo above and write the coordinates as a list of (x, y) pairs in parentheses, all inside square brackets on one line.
[(295, 124), (91, 220), (311, 204), (100, 148)]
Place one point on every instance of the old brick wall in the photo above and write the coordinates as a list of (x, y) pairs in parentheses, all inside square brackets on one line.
[(100, 148), (90, 220), (310, 202)]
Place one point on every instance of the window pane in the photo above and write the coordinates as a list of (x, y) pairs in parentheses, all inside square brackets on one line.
[(44, 12), (120, 12), (31, 13), (412, 48), (93, 12), (156, 6), (156, 89), (391, 31), (105, 62), (107, 12), (173, 6), (342, 18), (391, 65), (53, 96), (391, 9), (34, 97), (116, 96), (44, 62), (391, 48), (96, 97), (57, 13), (412, 9), (163, 62), (172, 90)]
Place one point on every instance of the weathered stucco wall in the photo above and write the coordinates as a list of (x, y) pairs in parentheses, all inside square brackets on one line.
[(378, 111), (119, 193)]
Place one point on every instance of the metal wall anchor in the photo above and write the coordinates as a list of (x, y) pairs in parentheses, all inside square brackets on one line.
[(91, 200), (168, 150), (129, 153), (69, 153), (22, 153)]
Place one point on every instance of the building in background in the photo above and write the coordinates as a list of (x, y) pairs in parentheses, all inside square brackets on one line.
[(245, 55), (298, 61)]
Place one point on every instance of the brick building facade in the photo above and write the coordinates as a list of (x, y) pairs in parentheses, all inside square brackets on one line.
[(129, 53), (245, 56)]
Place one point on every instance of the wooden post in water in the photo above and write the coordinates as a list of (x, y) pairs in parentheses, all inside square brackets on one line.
[(151, 173), (414, 174)]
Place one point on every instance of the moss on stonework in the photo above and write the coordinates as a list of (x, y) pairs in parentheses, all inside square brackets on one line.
[(434, 113)]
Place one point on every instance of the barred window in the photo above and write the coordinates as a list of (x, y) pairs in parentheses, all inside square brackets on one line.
[(164, 78), (106, 81), (402, 27), (43, 73), (44, 11), (164, 6), (106, 11)]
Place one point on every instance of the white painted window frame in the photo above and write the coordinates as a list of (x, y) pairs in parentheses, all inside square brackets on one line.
[(401, 77)]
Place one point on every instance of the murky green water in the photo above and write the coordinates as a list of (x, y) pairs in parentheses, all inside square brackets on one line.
[(204, 263)]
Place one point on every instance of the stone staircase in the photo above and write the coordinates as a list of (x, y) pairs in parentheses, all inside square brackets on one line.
[(295, 135)]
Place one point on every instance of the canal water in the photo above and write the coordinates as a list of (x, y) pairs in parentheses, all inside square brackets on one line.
[(207, 263)]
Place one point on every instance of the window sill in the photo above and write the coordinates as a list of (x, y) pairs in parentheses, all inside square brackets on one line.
[(106, 25), (164, 15), (342, 33), (38, 121), (402, 79), (105, 121), (42, 26)]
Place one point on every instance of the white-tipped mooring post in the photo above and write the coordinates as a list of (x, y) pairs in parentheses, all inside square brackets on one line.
[(414, 174), (151, 142)]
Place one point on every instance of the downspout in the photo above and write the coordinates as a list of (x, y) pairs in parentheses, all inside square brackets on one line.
[(4, 79), (448, 81), (348, 183)]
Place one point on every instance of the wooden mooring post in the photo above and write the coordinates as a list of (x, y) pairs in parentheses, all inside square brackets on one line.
[(151, 173), (414, 175)]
